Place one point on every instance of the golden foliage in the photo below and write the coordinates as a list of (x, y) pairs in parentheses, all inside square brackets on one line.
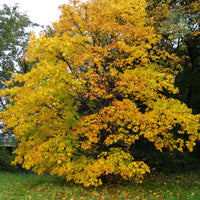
[(99, 86)]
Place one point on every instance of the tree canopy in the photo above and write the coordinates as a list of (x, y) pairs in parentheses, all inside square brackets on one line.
[(101, 85)]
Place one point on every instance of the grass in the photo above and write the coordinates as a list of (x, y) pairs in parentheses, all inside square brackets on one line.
[(22, 186)]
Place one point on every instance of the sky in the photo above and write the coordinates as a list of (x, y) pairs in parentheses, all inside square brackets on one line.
[(43, 12)]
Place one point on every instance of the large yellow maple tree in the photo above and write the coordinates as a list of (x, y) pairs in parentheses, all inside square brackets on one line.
[(99, 86)]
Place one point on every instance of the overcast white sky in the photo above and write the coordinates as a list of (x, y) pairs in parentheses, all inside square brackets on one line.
[(43, 12)]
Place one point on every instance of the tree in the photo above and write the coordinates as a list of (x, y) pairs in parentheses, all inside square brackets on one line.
[(179, 25), (101, 85), (13, 40), (188, 79)]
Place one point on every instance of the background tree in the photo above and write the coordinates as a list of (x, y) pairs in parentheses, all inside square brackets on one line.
[(178, 22), (13, 40), (101, 87)]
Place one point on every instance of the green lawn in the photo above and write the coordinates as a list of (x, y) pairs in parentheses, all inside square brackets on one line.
[(29, 186)]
